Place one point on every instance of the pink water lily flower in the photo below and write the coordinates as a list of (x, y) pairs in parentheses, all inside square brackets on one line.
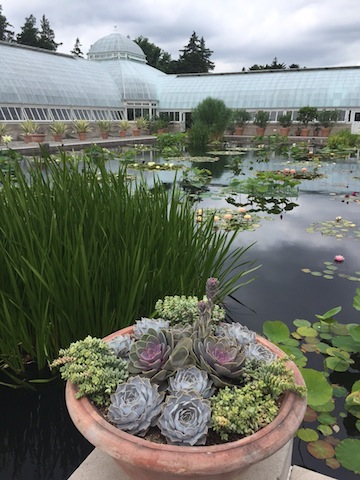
[(339, 258)]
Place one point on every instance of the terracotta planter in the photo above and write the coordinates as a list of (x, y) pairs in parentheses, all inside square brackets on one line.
[(82, 136), (57, 137), (305, 132), (122, 133), (239, 130), (245, 459), (260, 131), (104, 135), (38, 137), (27, 138), (284, 131), (136, 132), (325, 132)]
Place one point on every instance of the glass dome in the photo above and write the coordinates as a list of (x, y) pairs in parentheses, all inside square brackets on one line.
[(116, 46)]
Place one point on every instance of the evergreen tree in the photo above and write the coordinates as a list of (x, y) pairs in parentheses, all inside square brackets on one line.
[(76, 51), (47, 36), (274, 65), (6, 35), (195, 57), (29, 34)]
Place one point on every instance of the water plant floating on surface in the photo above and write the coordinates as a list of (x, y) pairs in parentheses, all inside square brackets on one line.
[(334, 393)]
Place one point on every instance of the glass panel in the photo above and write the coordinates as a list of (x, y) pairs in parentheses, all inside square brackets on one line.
[(130, 114), (137, 112), (29, 113)]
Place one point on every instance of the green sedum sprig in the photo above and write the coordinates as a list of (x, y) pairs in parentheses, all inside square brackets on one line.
[(184, 310), (244, 410), (93, 367)]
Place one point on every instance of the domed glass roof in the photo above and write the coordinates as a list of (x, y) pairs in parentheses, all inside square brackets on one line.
[(115, 46)]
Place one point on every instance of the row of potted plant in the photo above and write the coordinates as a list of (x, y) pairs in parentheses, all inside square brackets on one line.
[(306, 115), (34, 133)]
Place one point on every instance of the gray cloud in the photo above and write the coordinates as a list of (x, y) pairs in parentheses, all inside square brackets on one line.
[(308, 32)]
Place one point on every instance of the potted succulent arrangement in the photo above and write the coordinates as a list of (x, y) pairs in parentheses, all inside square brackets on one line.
[(326, 119), (58, 130), (305, 116), (82, 127), (285, 122), (185, 396), (105, 128), (261, 121), (141, 123), (240, 118), (124, 127)]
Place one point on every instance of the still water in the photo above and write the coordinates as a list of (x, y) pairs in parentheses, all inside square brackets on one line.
[(37, 438)]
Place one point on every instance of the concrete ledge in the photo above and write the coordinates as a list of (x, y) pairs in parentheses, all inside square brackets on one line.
[(99, 465), (299, 473)]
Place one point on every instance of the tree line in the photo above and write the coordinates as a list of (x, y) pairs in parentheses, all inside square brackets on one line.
[(194, 57)]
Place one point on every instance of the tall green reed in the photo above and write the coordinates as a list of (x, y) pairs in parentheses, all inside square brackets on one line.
[(85, 252)]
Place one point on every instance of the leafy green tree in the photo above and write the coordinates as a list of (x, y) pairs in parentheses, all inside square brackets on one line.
[(156, 57), (47, 36), (76, 51), (6, 35), (29, 34), (194, 58)]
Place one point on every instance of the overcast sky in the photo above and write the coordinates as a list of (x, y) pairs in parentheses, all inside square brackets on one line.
[(311, 33)]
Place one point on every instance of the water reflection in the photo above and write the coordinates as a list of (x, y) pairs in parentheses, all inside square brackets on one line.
[(37, 438)]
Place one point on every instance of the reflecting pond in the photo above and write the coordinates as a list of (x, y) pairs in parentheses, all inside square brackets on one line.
[(38, 440)]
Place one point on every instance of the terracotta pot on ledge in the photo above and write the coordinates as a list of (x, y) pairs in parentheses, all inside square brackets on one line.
[(284, 131), (239, 130), (260, 131), (325, 132), (38, 137), (264, 455), (305, 132)]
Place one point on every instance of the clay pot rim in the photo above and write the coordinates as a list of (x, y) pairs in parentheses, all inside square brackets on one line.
[(239, 454)]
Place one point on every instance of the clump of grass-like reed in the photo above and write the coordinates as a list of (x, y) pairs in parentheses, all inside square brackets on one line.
[(86, 252)]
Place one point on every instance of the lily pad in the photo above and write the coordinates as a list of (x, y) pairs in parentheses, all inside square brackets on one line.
[(326, 419), (276, 331), (310, 415), (301, 323), (339, 391), (316, 274), (333, 463), (347, 452), (308, 434), (321, 449), (326, 430), (307, 332), (319, 390)]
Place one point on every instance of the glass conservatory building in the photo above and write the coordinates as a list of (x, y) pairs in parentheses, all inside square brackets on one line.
[(115, 83)]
